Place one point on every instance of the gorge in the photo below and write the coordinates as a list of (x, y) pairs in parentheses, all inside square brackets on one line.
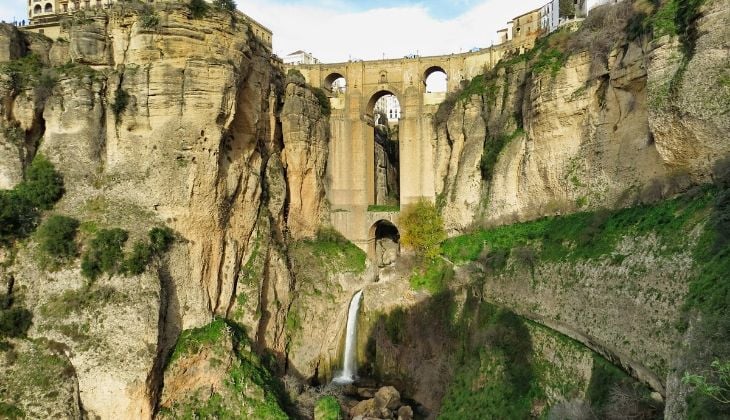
[(188, 228)]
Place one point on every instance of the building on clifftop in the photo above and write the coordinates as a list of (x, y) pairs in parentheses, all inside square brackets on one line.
[(44, 16)]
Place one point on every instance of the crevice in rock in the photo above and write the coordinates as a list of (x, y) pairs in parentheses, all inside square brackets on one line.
[(169, 326)]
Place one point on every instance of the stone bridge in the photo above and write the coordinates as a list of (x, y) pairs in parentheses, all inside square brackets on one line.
[(351, 167)]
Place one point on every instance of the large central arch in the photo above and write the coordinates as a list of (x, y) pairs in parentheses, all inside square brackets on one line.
[(379, 146)]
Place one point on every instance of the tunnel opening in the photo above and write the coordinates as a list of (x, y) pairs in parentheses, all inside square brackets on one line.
[(385, 110), (385, 243), (435, 79), (335, 83)]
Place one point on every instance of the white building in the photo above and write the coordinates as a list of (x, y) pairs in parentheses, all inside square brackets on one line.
[(389, 106), (550, 16), (300, 57), (588, 5)]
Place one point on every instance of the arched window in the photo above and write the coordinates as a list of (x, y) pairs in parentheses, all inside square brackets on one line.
[(37, 9), (48, 8)]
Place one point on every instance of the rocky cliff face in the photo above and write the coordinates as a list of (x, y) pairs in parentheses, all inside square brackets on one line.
[(184, 122), (595, 131)]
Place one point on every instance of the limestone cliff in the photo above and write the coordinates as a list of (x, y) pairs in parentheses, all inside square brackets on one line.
[(588, 129), (184, 122)]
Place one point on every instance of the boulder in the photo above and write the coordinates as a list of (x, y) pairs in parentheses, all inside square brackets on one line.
[(388, 397)]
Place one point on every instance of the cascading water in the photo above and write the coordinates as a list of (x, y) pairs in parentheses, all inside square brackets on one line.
[(349, 368)]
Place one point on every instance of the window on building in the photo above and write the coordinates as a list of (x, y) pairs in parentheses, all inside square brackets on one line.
[(48, 8)]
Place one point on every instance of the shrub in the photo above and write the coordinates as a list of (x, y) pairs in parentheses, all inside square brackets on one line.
[(328, 408), (422, 229), (160, 239), (22, 72), (295, 76), (19, 207), (324, 101), (137, 262), (142, 253), (15, 322), (56, 240), (43, 186), (492, 149), (148, 18), (226, 5), (17, 216), (75, 300), (104, 253), (121, 101), (198, 9)]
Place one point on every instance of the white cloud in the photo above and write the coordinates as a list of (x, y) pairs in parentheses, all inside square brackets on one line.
[(332, 35)]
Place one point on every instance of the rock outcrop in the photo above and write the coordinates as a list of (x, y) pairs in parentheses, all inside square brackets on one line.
[(152, 126), (640, 124)]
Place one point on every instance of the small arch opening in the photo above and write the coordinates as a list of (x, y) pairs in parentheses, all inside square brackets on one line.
[(37, 9), (435, 79), (48, 8), (385, 240), (335, 83)]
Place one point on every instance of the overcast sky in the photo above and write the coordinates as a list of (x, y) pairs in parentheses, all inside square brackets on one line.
[(338, 30)]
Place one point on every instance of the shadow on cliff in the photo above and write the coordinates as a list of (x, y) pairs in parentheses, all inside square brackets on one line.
[(435, 349)]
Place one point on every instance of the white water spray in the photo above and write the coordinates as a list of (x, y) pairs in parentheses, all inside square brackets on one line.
[(349, 371)]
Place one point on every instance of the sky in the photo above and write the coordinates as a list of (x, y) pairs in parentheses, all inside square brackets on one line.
[(341, 30)]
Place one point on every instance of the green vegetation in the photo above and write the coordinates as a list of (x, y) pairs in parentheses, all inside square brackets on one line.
[(614, 394), (295, 76), (14, 321), (588, 235), (383, 208), (21, 206), (74, 301), (567, 8), (104, 253), (225, 5), (332, 253), (422, 229), (198, 9), (121, 101), (551, 59), (476, 86), (10, 411), (718, 391), (492, 149), (143, 253), (434, 277), (23, 72), (56, 239), (495, 379), (677, 18), (324, 101), (327, 408), (708, 302), (148, 18), (250, 391)]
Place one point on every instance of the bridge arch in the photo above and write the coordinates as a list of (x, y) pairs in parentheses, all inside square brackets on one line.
[(383, 242), (379, 93), (329, 82), (383, 148), (435, 79)]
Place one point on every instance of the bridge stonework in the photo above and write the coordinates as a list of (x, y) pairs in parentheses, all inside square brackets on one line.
[(350, 173)]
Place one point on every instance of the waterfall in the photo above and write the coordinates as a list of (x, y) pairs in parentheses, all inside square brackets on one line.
[(349, 369)]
